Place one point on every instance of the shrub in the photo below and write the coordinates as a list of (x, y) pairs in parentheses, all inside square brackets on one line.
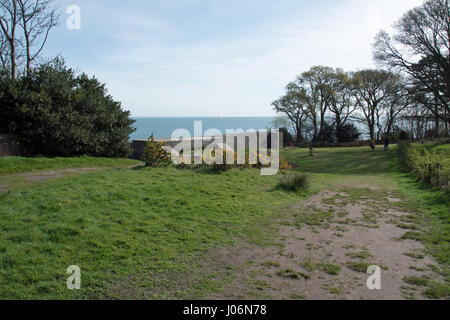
[(430, 166), (328, 134), (222, 165), (284, 165), (58, 113), (288, 139), (294, 181), (262, 161), (403, 135), (154, 153), (347, 133)]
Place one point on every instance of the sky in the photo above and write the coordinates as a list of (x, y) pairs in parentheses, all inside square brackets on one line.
[(202, 58)]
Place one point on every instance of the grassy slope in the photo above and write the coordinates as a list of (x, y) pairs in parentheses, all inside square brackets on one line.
[(433, 206), (144, 224), (442, 148), (144, 229), (19, 164)]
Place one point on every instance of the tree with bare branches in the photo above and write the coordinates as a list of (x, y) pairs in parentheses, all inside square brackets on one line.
[(25, 26), (420, 48), (342, 102), (9, 20), (37, 18), (293, 106), (377, 95)]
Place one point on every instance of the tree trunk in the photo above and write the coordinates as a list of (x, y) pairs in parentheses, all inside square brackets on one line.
[(13, 59), (338, 123)]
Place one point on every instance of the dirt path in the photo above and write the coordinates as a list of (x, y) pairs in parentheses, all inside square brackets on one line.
[(26, 178), (326, 244)]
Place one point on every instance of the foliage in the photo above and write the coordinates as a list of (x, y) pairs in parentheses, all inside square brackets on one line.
[(375, 97), (284, 165), (235, 160), (428, 165), (403, 135), (419, 47), (347, 133), (327, 134), (295, 181), (288, 139), (154, 153), (58, 113)]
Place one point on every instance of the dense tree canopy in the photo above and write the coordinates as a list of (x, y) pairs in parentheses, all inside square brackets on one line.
[(57, 112)]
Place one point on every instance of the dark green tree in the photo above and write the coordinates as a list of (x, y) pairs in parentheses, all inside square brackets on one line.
[(57, 112)]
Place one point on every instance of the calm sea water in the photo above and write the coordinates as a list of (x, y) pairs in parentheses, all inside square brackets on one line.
[(163, 127)]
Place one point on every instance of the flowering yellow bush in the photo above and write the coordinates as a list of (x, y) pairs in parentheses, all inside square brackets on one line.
[(239, 160), (210, 159), (284, 165), (154, 153)]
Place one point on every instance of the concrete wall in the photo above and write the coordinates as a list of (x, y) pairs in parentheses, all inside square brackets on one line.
[(10, 145), (139, 145)]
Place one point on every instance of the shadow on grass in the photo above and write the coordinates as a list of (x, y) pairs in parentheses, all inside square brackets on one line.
[(355, 161), (138, 168)]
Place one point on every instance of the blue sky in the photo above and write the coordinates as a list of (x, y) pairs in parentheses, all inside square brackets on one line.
[(216, 57)]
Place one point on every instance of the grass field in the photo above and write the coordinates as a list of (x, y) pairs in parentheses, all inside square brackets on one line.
[(148, 233), (144, 223), (20, 164)]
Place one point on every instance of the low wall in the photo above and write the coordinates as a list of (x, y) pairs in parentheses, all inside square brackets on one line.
[(139, 145), (10, 145)]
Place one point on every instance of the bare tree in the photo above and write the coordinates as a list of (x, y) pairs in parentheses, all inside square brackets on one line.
[(24, 26), (317, 84), (9, 20), (38, 17), (292, 104), (342, 102), (420, 48), (4, 53), (375, 92)]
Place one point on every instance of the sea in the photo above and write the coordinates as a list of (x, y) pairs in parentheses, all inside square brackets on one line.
[(164, 127)]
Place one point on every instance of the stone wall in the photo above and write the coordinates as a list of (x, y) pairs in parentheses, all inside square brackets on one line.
[(10, 145), (139, 145)]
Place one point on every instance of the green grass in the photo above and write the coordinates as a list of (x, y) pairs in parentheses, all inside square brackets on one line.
[(433, 211), (363, 254), (148, 225), (414, 255), (289, 273), (339, 161), (441, 148), (20, 164), (416, 281), (148, 233), (438, 290), (330, 268), (358, 266), (271, 264)]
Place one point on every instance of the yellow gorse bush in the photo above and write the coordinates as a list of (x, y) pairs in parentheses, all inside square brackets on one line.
[(154, 153), (222, 160)]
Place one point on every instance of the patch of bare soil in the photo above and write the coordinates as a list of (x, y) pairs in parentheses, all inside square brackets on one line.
[(42, 176), (50, 175), (326, 246)]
